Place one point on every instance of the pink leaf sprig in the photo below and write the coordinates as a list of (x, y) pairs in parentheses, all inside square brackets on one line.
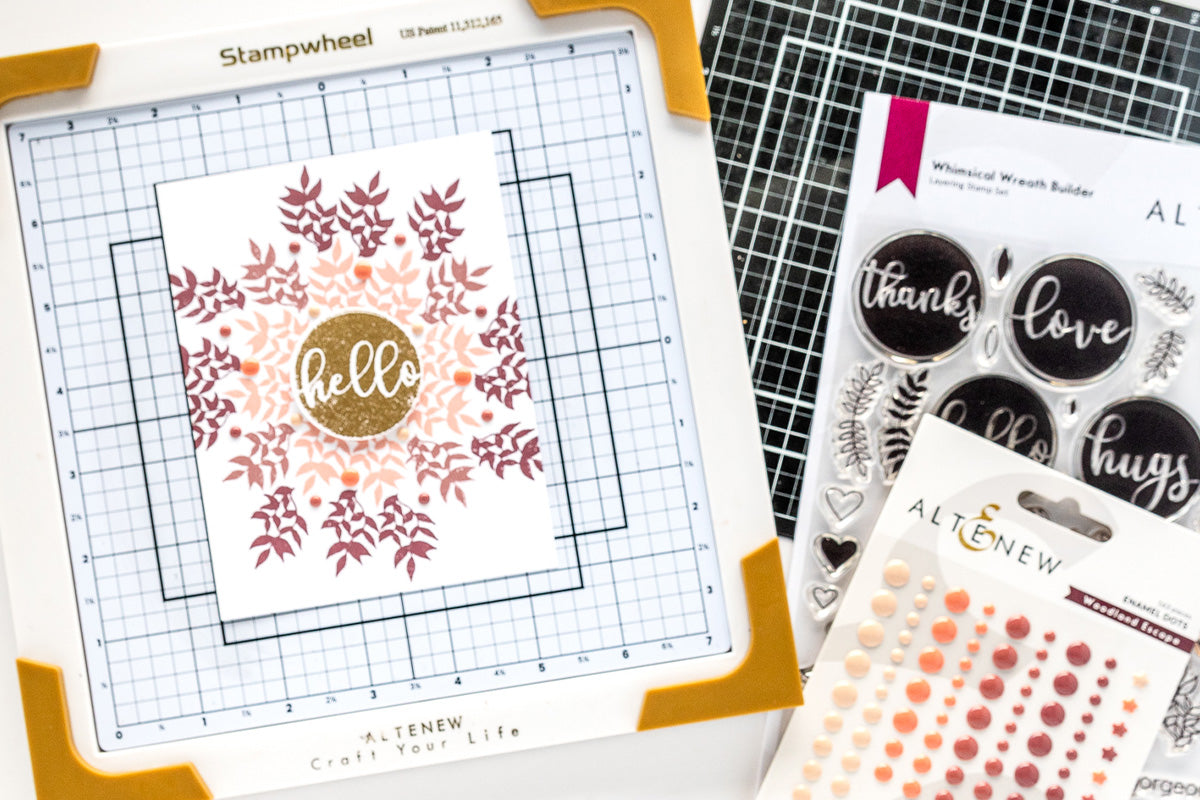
[(305, 216), (432, 223), (360, 217), (281, 519), (440, 462)]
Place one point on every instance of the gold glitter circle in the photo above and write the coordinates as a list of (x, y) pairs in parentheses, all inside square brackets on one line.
[(356, 374)]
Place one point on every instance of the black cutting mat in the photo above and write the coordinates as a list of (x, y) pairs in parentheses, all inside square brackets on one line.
[(785, 84)]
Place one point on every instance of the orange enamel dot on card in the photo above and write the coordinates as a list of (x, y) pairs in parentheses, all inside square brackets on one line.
[(942, 719), (487, 415), (905, 721), (989, 609), (350, 477), (944, 630), (949, 700), (362, 271), (226, 330), (922, 764), (981, 628), (250, 366), (933, 740), (917, 690), (957, 600), (893, 748), (957, 681), (314, 501), (912, 789), (965, 664), (462, 377), (883, 773), (973, 646), (931, 660)]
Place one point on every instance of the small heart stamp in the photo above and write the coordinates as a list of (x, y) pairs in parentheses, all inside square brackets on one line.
[(841, 504), (837, 555), (822, 599)]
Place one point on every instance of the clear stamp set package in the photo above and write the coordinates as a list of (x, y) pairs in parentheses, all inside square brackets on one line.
[(1010, 633), (1030, 282)]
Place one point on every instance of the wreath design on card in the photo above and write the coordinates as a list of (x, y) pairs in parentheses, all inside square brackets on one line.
[(348, 357)]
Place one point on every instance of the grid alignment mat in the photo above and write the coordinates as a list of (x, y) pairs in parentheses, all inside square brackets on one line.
[(637, 581), (785, 83)]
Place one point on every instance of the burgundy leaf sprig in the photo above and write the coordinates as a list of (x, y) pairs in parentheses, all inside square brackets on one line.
[(204, 300), (204, 367), (441, 463), (208, 413), (305, 216), (504, 332), (360, 217), (268, 461), (509, 447), (432, 222), (281, 519), (505, 381), (447, 290), (402, 525), (355, 530), (272, 281)]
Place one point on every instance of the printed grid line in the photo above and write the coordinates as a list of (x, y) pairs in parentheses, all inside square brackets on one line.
[(785, 84), (627, 537)]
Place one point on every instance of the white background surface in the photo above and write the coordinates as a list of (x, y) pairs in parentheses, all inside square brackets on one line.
[(708, 760)]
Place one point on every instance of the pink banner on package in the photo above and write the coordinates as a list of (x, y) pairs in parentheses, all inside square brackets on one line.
[(1131, 620), (902, 143)]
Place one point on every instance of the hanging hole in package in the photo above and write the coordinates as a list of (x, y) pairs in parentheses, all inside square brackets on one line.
[(1030, 282)]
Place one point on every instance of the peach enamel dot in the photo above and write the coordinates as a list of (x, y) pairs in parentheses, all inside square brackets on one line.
[(897, 655), (889, 674), (931, 660), (896, 573), (883, 773), (927, 583), (822, 746), (893, 748), (872, 714), (881, 692), (883, 603), (957, 600), (857, 663), (811, 771), (314, 312), (861, 737), (920, 601), (905, 721), (840, 787), (833, 722), (913, 619), (851, 762), (944, 630), (904, 637), (917, 690), (870, 633), (801, 793), (844, 694)]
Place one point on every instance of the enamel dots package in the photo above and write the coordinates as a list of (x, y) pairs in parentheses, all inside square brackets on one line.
[(1010, 633), (1032, 283)]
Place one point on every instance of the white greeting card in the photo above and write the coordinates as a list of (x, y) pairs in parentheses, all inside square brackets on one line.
[(356, 377), (1009, 633)]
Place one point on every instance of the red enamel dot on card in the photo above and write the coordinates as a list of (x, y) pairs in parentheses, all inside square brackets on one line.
[(1065, 683), (1087, 718), (954, 776), (993, 767), (1042, 655), (1080, 736), (1017, 627), (1039, 744), (1026, 691), (991, 686), (966, 748), (399, 238), (1011, 727), (423, 498), (1072, 754), (480, 311), (1026, 774), (1053, 714), (1055, 793), (226, 330), (983, 790), (487, 415), (1004, 656), (1064, 772), (1018, 709), (1102, 681), (235, 431), (1079, 653), (978, 717), (1034, 672), (1111, 663), (294, 247), (1048, 636), (1002, 746), (314, 501)]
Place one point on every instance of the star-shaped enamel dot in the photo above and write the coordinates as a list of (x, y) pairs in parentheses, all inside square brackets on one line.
[(1119, 729), (1140, 679), (1108, 754), (1099, 777), (1129, 705)]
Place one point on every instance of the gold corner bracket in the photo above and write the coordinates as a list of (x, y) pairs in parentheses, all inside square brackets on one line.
[(678, 51), (769, 675)]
